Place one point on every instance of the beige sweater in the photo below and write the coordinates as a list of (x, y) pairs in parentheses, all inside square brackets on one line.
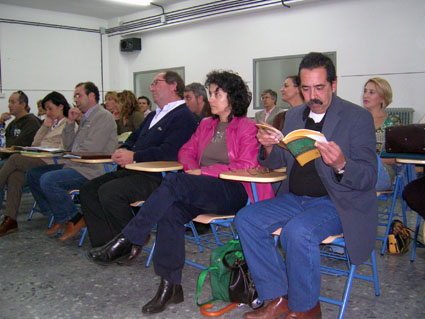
[(46, 137)]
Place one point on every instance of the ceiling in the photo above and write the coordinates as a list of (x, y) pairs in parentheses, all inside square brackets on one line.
[(103, 9)]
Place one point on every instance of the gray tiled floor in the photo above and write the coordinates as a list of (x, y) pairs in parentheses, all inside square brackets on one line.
[(43, 278)]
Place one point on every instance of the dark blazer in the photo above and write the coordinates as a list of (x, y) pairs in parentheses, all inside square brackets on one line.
[(354, 196), (163, 141)]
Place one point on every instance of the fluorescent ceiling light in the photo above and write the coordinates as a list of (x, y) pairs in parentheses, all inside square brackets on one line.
[(134, 2)]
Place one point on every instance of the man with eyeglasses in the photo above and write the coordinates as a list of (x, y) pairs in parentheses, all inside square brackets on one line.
[(97, 132), (105, 201), (268, 97)]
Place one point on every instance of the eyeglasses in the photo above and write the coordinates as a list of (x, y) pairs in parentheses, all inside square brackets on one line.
[(258, 171), (155, 83)]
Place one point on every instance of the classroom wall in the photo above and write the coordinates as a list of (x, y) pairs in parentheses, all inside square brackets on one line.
[(38, 60), (371, 37)]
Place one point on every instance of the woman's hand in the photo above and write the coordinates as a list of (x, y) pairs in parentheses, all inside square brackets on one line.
[(196, 171), (48, 122)]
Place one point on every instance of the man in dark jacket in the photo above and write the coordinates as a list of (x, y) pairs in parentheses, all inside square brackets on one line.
[(330, 195), (105, 201), (22, 129)]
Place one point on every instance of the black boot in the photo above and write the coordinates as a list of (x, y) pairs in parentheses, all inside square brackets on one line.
[(119, 248), (167, 293)]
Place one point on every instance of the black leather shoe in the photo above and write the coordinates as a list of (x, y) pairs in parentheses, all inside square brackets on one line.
[(167, 293), (135, 252), (119, 248)]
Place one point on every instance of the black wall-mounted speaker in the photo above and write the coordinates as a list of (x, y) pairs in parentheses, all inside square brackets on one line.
[(131, 44)]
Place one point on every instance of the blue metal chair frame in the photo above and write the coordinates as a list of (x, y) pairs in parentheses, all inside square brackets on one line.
[(350, 273), (416, 244), (385, 217)]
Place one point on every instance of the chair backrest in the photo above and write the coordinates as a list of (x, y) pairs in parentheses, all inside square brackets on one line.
[(379, 167)]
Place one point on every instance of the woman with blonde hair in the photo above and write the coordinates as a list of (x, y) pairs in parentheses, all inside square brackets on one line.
[(112, 104), (130, 116), (377, 95)]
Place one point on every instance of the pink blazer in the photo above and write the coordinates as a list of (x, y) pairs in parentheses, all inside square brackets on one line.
[(242, 147)]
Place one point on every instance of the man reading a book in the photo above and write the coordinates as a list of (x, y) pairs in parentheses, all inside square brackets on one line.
[(330, 195)]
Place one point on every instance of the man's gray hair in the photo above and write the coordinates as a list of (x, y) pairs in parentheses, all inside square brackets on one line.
[(198, 90), (272, 93)]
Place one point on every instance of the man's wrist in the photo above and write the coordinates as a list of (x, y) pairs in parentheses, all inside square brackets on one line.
[(341, 169)]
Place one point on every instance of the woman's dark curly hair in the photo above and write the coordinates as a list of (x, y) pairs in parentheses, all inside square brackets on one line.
[(237, 91)]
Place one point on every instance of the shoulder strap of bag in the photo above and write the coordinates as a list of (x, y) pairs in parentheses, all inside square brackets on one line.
[(238, 254), (201, 280)]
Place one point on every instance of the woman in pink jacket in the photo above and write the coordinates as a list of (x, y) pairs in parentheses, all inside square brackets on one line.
[(226, 141)]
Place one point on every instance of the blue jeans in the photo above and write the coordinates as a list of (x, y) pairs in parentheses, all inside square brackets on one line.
[(306, 221), (50, 185), (384, 182)]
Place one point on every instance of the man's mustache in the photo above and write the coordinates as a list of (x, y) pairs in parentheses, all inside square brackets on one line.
[(314, 101)]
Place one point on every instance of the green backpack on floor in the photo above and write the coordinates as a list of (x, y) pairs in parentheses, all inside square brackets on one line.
[(230, 279), (220, 274)]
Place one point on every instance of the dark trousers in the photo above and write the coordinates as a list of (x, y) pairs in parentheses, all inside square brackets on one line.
[(105, 201), (180, 198)]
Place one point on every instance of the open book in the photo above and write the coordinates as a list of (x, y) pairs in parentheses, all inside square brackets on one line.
[(299, 142)]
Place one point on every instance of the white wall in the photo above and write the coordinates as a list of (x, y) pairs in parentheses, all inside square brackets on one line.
[(38, 60), (371, 38)]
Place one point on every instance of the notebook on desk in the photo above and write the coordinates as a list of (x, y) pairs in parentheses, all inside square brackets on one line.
[(87, 155), (39, 149)]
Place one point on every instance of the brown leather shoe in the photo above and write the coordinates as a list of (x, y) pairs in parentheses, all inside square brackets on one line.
[(54, 229), (275, 308), (71, 229), (9, 225), (314, 313)]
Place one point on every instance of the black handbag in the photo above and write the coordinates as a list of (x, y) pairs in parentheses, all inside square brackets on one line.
[(405, 139), (241, 285)]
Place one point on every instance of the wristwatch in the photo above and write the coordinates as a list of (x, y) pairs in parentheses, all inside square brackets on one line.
[(341, 170)]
